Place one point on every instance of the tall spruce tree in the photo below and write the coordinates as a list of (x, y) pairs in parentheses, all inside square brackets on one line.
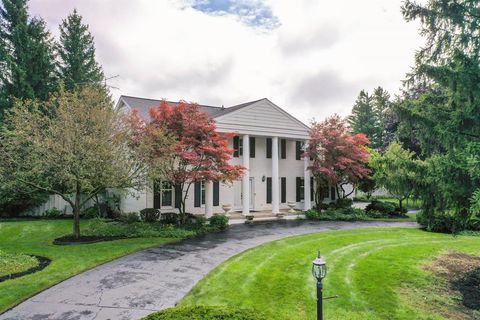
[(76, 50), (381, 107), (363, 118), (27, 60)]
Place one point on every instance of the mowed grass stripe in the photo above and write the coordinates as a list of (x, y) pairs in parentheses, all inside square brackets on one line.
[(366, 269)]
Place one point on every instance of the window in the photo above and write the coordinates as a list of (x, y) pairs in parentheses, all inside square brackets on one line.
[(269, 148), (199, 193), (298, 150), (162, 194), (300, 189), (240, 147), (326, 192), (167, 194), (202, 192), (333, 192), (252, 147), (237, 146), (283, 149)]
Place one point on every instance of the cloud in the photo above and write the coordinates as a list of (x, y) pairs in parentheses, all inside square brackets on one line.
[(313, 64), (322, 37), (251, 12)]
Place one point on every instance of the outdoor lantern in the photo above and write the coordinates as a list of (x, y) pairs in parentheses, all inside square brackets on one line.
[(319, 268), (319, 271)]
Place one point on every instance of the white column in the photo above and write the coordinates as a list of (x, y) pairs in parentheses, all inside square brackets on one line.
[(208, 199), (246, 176), (275, 178), (307, 204)]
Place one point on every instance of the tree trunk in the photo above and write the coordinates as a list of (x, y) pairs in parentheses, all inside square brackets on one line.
[(76, 212)]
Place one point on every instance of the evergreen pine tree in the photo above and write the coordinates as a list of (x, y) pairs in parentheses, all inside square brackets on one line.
[(363, 118), (27, 66), (381, 107), (76, 51)]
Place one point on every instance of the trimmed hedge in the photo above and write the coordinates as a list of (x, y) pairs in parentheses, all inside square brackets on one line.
[(345, 214), (387, 208), (206, 313)]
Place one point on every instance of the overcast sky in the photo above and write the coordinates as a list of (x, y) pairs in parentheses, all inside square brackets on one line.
[(310, 57)]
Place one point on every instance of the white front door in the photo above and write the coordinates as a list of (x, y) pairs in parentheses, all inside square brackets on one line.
[(238, 196)]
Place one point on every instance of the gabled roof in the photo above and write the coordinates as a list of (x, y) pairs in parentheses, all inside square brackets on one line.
[(260, 117), (143, 106)]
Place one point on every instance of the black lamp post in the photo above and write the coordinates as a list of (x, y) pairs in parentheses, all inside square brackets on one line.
[(319, 271)]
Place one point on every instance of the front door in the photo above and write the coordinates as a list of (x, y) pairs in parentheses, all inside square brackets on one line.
[(238, 197)]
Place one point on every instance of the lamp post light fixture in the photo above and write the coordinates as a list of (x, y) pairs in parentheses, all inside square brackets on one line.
[(319, 272)]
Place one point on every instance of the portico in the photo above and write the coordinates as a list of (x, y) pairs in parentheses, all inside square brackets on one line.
[(268, 143)]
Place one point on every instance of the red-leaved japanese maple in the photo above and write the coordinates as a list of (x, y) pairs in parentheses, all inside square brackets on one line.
[(337, 156), (200, 153)]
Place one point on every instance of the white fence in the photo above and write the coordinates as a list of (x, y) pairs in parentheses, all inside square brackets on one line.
[(54, 201)]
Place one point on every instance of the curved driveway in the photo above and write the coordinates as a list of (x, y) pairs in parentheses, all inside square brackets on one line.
[(143, 282)]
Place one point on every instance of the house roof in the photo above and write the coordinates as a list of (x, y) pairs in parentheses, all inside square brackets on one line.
[(260, 117), (143, 106)]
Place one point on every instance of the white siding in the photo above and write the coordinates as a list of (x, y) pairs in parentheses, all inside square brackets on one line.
[(263, 118)]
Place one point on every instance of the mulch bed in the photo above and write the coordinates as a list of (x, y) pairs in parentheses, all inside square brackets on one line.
[(43, 262), (462, 272), (71, 240)]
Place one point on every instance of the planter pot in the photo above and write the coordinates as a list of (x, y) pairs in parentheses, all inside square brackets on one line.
[(227, 208), (249, 219), (291, 205)]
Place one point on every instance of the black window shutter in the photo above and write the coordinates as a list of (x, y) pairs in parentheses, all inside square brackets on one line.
[(196, 195), (283, 191), (283, 149), (298, 185), (156, 195), (312, 189), (178, 196), (216, 193), (236, 144), (333, 193), (269, 190), (252, 147), (269, 148), (298, 150)]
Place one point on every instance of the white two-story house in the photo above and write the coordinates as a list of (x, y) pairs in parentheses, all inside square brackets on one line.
[(268, 144)]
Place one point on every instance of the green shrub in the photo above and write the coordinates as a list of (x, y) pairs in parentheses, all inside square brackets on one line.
[(344, 214), (129, 217), (170, 218), (206, 313), (53, 213), (150, 214), (105, 228), (219, 222), (342, 203), (312, 214), (388, 208), (375, 214), (91, 213)]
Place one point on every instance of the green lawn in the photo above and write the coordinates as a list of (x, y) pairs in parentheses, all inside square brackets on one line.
[(35, 237), (377, 273)]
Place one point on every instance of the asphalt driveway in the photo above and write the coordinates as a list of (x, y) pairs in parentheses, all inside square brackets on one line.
[(143, 282)]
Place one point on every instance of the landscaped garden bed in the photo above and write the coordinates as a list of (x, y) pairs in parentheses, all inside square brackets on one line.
[(36, 237), (16, 265)]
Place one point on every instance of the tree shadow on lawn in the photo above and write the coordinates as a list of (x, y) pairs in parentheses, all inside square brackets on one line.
[(460, 275)]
